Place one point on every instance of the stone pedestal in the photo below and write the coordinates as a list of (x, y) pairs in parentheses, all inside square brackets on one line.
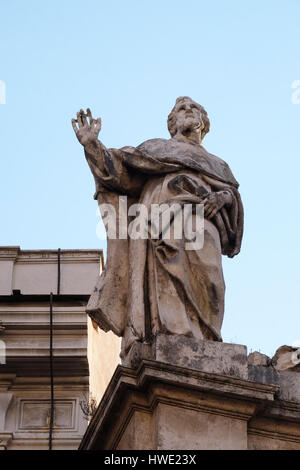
[(181, 394)]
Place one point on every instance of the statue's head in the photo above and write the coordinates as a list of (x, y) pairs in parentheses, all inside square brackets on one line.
[(188, 118)]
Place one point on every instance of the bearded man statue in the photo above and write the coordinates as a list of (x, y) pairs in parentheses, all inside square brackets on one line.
[(156, 285)]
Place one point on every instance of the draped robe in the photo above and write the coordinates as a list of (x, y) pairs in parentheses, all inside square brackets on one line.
[(152, 286)]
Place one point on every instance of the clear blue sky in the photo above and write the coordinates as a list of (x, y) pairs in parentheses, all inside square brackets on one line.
[(129, 61)]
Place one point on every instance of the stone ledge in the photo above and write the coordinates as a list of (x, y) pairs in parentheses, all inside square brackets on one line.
[(288, 381), (206, 356), (179, 393), (157, 386)]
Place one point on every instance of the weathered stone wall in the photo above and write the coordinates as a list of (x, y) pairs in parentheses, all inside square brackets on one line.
[(183, 394)]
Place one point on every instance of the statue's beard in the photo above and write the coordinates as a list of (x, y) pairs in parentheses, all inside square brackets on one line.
[(190, 125)]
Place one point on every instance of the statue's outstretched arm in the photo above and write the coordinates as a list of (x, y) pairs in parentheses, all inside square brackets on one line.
[(87, 130), (105, 164)]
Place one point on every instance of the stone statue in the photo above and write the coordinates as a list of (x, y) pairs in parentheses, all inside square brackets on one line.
[(155, 285)]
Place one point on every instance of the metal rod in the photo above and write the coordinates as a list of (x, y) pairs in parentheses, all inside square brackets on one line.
[(51, 422), (51, 375), (58, 271)]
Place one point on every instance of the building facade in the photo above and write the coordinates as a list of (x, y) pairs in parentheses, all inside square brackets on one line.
[(54, 362)]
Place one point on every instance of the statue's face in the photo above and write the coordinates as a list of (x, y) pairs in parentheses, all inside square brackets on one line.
[(188, 117)]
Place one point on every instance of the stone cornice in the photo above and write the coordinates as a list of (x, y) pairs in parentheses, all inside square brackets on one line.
[(66, 256), (9, 253), (67, 364), (14, 253), (154, 382), (283, 436)]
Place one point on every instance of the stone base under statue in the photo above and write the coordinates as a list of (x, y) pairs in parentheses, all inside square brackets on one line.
[(181, 394)]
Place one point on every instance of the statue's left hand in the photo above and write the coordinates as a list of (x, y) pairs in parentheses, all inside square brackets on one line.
[(213, 202)]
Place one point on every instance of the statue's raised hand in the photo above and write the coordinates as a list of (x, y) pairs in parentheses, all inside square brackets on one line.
[(86, 127)]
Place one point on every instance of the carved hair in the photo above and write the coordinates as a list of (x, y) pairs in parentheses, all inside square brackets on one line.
[(172, 117)]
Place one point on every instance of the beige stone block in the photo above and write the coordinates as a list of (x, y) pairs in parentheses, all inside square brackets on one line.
[(138, 434), (181, 428), (207, 356)]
